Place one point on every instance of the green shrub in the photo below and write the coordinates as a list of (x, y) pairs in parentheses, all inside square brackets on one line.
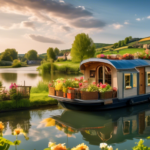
[(16, 65), (16, 96), (1, 84), (41, 87), (5, 63), (130, 46), (59, 60)]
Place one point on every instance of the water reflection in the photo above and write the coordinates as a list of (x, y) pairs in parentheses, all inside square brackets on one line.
[(73, 127), (111, 127), (7, 77)]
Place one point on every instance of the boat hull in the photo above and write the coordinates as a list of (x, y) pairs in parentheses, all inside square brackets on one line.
[(90, 105)]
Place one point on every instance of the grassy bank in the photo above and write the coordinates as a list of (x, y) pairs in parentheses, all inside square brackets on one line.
[(127, 50), (36, 100), (67, 67)]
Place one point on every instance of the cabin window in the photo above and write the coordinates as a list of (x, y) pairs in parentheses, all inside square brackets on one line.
[(148, 78), (92, 73), (134, 80), (127, 81), (126, 127)]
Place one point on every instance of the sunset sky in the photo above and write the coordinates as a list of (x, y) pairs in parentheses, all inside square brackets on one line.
[(39, 24)]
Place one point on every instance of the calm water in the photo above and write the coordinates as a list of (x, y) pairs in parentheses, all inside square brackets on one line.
[(120, 128), (28, 74)]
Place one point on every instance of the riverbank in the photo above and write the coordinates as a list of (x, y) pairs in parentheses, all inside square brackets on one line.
[(36, 100), (67, 67)]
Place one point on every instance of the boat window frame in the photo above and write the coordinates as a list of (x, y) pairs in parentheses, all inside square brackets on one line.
[(129, 86), (92, 72), (148, 78)]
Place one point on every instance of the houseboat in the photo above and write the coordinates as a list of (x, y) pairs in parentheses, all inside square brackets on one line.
[(130, 77)]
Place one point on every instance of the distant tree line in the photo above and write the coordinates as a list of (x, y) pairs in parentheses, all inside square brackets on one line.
[(123, 42)]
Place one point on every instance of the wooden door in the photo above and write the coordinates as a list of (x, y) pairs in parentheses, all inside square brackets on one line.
[(141, 80)]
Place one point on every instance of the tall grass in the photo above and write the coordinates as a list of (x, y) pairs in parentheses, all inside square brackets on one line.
[(66, 68), (41, 87)]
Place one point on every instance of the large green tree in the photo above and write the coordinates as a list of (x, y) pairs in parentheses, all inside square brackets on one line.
[(119, 44), (50, 54), (83, 47), (56, 51), (31, 55), (9, 55), (122, 43)]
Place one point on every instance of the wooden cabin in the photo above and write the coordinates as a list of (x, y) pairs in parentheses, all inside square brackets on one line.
[(130, 77)]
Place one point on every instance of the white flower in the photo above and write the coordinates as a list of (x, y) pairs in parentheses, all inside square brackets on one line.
[(103, 145), (110, 148)]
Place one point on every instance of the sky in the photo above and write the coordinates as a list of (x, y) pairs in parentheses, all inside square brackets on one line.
[(40, 24)]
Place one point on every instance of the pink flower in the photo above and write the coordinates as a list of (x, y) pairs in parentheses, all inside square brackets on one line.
[(114, 89), (94, 83), (103, 86), (98, 85), (81, 78), (80, 84), (102, 55), (58, 81)]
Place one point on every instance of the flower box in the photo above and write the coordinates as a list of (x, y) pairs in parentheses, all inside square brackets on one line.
[(114, 94), (89, 95), (52, 91), (106, 95), (77, 94), (65, 95), (59, 93), (70, 95)]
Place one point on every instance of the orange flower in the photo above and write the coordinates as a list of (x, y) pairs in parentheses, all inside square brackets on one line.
[(1, 127), (17, 131), (59, 147), (81, 147)]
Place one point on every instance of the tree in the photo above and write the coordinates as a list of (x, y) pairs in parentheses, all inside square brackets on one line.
[(9, 55), (13, 53), (56, 51), (122, 43), (31, 55), (115, 45), (50, 54), (130, 37), (83, 47), (126, 41), (119, 44)]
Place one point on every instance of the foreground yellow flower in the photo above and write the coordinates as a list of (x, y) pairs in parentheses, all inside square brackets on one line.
[(1, 127), (81, 147), (58, 127), (59, 147), (50, 144), (18, 131)]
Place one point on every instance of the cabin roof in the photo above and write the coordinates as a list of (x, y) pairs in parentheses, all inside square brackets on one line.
[(120, 64)]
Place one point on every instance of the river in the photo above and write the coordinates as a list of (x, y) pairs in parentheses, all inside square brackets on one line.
[(120, 128)]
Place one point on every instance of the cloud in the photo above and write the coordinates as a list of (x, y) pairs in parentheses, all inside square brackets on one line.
[(88, 23), (44, 9), (126, 22), (81, 7), (44, 39), (148, 17), (23, 24), (28, 24), (65, 28), (138, 19), (117, 26)]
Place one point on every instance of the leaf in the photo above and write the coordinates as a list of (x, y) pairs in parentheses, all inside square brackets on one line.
[(47, 148), (5, 141), (17, 142)]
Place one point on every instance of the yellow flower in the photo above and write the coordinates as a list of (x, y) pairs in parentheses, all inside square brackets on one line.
[(1, 127), (58, 127), (59, 147), (50, 144), (81, 147), (17, 131)]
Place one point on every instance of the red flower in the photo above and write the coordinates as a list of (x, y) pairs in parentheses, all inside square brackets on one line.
[(98, 85), (114, 89), (80, 84), (94, 83)]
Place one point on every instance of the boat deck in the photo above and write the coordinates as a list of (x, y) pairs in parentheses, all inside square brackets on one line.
[(79, 100)]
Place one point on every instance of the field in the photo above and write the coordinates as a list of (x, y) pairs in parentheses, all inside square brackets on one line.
[(145, 39), (70, 63), (127, 50), (145, 42)]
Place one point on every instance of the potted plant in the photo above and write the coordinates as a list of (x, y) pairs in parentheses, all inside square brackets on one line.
[(106, 91), (59, 87), (66, 84), (51, 89), (71, 93), (89, 93)]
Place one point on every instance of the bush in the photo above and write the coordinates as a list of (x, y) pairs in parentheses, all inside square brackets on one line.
[(60, 60), (41, 87), (1, 84), (5, 63), (130, 46), (16, 65), (16, 96)]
